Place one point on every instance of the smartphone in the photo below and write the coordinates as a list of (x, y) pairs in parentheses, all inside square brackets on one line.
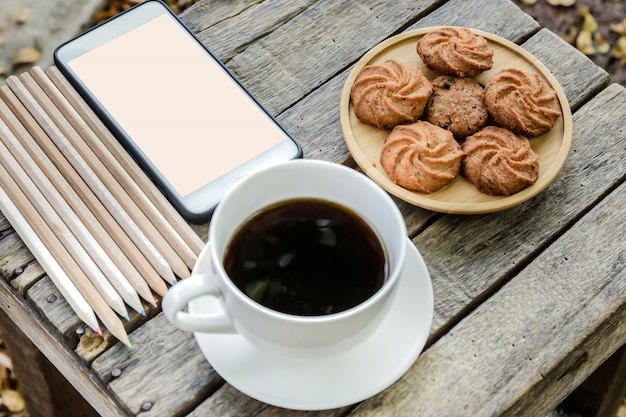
[(186, 120)]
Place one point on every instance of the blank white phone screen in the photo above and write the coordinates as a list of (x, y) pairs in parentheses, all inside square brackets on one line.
[(181, 109)]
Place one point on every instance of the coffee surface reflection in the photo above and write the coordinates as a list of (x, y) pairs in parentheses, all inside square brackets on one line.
[(306, 257)]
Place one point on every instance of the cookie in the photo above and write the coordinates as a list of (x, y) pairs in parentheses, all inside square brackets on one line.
[(390, 93), (499, 162), (457, 105), (521, 102), (455, 51), (421, 156)]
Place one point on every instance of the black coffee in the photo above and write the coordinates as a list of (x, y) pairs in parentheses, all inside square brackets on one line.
[(307, 257)]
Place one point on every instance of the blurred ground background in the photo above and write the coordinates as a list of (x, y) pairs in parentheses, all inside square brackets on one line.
[(595, 27), (31, 29)]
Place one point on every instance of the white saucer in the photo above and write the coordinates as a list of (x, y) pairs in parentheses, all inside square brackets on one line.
[(335, 380)]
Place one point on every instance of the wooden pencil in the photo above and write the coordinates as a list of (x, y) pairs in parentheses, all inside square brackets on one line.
[(63, 188), (105, 196), (96, 166), (86, 194), (27, 166), (13, 168), (57, 274), (131, 167), (58, 250), (116, 170)]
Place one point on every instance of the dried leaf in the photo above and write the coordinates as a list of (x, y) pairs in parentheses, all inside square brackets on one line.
[(13, 400), (4, 28), (619, 50), (564, 3), (26, 55), (619, 28), (24, 15), (589, 22), (5, 361), (602, 45), (584, 43)]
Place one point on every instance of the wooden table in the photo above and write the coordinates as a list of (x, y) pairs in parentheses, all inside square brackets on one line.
[(528, 301)]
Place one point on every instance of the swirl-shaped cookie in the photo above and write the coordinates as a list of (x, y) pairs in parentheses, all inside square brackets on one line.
[(390, 93), (455, 51), (421, 156), (520, 101), (499, 162)]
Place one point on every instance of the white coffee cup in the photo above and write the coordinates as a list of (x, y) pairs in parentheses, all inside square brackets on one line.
[(259, 324)]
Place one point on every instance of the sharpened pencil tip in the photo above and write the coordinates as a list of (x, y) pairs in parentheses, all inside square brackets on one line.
[(126, 317), (175, 281), (98, 330), (143, 313), (127, 342), (154, 304)]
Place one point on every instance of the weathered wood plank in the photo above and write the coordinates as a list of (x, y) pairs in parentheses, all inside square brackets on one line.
[(504, 19), (30, 274), (297, 57), (13, 255), (250, 22), (577, 285), (4, 224), (46, 340), (46, 392), (469, 257), (204, 14), (51, 304), (162, 356), (603, 392), (228, 402)]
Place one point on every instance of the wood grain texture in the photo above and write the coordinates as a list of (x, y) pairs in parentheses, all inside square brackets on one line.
[(228, 402), (304, 52), (31, 274), (603, 392), (50, 344), (206, 14), (4, 223), (163, 356), (51, 305), (55, 396), (575, 285), (497, 278), (249, 21), (13, 254), (502, 18), (470, 257)]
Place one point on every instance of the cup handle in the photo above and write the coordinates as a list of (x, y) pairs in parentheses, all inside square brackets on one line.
[(179, 296)]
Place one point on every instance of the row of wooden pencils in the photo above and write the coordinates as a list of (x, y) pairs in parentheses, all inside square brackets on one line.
[(99, 227)]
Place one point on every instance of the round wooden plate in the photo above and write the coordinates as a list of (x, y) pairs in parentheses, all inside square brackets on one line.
[(365, 141)]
